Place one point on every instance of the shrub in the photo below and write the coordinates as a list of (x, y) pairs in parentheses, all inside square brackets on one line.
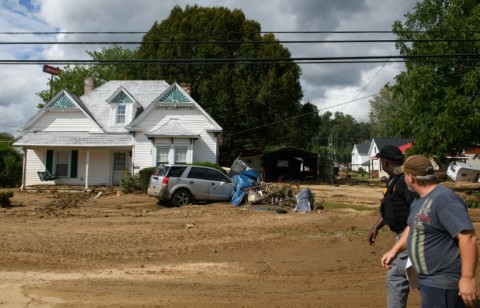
[(129, 183), (144, 178), (473, 200), (5, 198), (209, 164)]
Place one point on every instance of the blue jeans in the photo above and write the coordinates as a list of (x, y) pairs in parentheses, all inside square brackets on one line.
[(440, 298)]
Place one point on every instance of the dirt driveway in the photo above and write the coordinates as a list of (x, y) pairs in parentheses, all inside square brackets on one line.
[(72, 250)]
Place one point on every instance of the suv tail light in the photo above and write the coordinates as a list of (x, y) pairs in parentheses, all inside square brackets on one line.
[(165, 180)]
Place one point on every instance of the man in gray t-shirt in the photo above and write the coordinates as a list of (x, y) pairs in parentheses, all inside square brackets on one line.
[(435, 221), (440, 240)]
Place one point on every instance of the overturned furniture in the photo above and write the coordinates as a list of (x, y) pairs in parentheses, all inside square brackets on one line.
[(46, 176)]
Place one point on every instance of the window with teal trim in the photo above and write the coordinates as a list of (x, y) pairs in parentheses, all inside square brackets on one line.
[(120, 114)]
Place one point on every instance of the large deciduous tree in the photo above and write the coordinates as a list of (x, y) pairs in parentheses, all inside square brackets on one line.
[(240, 96), (442, 94), (389, 114)]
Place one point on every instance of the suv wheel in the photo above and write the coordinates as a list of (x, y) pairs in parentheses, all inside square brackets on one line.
[(181, 197)]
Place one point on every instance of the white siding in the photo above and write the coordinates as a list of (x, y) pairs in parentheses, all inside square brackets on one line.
[(99, 169), (35, 163), (65, 121), (143, 153), (204, 148), (472, 161)]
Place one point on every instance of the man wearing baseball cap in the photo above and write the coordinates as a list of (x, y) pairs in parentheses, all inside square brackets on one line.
[(394, 210), (440, 240)]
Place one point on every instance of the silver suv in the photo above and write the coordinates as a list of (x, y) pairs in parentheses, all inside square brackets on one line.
[(183, 184)]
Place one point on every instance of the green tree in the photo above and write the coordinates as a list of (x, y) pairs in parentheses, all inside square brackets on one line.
[(306, 126), (337, 135), (252, 102), (442, 96), (10, 162), (388, 112), (71, 78)]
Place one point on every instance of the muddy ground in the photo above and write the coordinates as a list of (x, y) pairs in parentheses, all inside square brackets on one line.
[(62, 249)]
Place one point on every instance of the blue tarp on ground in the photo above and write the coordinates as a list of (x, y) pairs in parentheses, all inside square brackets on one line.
[(246, 179)]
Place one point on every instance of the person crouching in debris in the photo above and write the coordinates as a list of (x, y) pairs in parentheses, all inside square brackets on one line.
[(394, 209)]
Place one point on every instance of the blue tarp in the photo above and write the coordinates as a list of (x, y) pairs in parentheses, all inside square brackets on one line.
[(246, 179)]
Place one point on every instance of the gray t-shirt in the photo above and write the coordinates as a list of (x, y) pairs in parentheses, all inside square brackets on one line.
[(435, 221)]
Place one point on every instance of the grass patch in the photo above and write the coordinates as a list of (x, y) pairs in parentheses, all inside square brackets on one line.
[(340, 206)]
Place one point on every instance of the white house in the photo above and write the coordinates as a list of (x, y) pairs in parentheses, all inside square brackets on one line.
[(376, 145), (360, 158), (118, 127)]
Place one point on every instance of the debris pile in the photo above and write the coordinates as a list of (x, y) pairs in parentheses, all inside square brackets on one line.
[(251, 190)]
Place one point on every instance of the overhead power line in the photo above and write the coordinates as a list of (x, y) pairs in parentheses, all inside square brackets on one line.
[(299, 60), (233, 42), (302, 115), (224, 32), (193, 32)]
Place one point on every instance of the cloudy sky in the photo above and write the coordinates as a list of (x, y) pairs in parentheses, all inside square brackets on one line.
[(329, 86)]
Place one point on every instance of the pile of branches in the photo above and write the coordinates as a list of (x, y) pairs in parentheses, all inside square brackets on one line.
[(272, 194)]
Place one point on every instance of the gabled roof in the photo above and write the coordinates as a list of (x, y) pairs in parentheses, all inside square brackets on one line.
[(173, 128), (363, 148), (381, 142), (63, 101), (175, 97), (143, 92), (122, 96)]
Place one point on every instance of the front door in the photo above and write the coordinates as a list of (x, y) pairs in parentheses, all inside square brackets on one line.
[(120, 167)]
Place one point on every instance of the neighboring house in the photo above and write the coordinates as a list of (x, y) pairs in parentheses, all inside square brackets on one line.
[(376, 145), (360, 158), (472, 157), (119, 127)]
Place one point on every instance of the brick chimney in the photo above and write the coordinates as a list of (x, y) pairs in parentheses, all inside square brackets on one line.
[(187, 87), (88, 84)]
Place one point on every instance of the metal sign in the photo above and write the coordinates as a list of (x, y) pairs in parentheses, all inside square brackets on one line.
[(51, 70)]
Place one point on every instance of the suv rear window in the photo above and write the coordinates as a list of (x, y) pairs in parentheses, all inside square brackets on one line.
[(176, 172), (161, 170)]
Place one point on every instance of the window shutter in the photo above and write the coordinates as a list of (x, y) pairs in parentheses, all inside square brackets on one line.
[(49, 161), (74, 164)]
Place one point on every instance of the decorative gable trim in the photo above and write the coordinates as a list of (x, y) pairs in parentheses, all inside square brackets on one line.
[(62, 102), (174, 96), (121, 96)]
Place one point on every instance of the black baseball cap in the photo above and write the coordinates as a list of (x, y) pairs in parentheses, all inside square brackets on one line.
[(391, 153)]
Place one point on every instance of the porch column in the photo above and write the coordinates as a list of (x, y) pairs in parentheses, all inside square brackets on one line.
[(24, 168), (87, 163)]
